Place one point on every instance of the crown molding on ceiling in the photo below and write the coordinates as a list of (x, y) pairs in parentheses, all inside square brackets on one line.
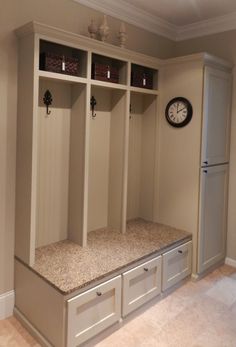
[(207, 27), (140, 18), (133, 15)]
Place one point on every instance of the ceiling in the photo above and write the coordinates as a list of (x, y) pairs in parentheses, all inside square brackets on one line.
[(183, 12), (175, 19)]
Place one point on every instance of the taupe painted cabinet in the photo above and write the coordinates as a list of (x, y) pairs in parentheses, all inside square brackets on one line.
[(141, 284), (214, 172), (216, 117), (213, 215), (177, 264), (93, 311)]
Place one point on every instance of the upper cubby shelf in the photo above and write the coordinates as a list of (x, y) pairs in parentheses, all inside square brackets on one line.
[(108, 69), (60, 59), (143, 77), (46, 75)]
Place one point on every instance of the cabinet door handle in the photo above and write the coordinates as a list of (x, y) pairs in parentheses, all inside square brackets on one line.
[(179, 251), (99, 293), (205, 171), (205, 162), (145, 269)]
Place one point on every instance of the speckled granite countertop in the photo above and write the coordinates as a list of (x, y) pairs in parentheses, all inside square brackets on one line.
[(69, 267)]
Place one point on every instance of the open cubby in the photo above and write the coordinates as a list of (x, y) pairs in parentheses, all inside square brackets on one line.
[(60, 52), (60, 163), (106, 159), (144, 77), (108, 69), (141, 156)]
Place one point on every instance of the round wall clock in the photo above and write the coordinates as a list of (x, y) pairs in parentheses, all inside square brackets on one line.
[(178, 112)]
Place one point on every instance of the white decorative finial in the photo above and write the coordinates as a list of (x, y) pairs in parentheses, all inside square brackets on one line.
[(122, 35), (104, 29), (92, 29)]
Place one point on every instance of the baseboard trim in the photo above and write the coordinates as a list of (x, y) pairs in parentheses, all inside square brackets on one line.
[(7, 301), (195, 277), (230, 261), (32, 330)]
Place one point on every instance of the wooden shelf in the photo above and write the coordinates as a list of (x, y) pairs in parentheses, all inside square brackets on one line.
[(108, 85), (61, 77), (144, 90)]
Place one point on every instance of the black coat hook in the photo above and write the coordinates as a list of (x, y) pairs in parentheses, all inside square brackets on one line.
[(93, 103), (47, 100)]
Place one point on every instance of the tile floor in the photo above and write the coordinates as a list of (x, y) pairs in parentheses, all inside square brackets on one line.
[(198, 314)]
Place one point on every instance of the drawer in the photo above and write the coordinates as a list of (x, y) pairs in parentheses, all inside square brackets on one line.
[(141, 284), (177, 264), (93, 311)]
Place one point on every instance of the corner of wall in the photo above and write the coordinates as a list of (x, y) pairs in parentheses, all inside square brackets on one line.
[(230, 261)]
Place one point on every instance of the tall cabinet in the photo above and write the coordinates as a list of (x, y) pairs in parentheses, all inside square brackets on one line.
[(194, 160)]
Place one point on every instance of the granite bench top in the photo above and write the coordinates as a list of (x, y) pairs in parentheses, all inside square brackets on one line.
[(69, 267)]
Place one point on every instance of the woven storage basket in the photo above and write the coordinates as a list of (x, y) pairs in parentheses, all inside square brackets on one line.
[(142, 78), (54, 63), (100, 72)]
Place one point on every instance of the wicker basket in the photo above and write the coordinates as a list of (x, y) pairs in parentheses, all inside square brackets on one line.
[(104, 72), (60, 64), (142, 77)]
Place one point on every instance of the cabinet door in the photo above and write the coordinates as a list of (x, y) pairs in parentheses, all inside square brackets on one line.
[(93, 311), (216, 117), (177, 264), (141, 284), (213, 216)]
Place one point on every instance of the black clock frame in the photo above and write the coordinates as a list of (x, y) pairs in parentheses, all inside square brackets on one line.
[(189, 111)]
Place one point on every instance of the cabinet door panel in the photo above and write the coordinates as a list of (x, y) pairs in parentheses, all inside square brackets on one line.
[(93, 311), (177, 264), (213, 214), (141, 284), (216, 117)]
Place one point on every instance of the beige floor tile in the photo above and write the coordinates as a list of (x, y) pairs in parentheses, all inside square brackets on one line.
[(224, 290), (211, 338)]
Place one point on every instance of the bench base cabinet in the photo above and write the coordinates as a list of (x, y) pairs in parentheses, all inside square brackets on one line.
[(141, 284), (93, 311), (177, 264), (78, 318)]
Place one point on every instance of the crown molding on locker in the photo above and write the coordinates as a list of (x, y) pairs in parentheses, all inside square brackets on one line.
[(142, 19)]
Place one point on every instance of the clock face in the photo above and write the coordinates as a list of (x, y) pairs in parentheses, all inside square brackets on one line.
[(178, 112)]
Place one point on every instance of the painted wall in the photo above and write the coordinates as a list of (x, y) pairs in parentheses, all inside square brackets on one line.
[(67, 15), (178, 173), (222, 45)]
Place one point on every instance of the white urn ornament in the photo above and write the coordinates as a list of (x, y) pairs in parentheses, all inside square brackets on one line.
[(122, 35), (92, 29), (104, 29)]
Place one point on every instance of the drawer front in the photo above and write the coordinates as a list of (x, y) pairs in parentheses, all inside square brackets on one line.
[(93, 311), (177, 264), (141, 284)]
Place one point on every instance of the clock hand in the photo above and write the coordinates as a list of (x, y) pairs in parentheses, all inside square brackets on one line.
[(181, 109)]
